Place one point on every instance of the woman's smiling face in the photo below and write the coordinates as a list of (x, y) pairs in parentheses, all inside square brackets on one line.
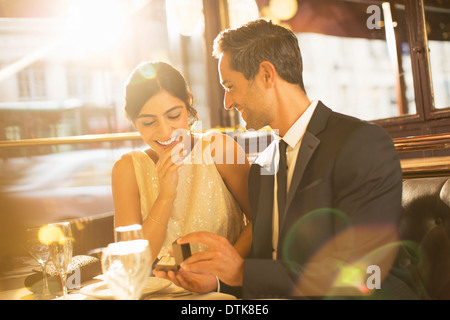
[(162, 119)]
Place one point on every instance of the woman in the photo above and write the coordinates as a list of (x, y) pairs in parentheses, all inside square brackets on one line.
[(172, 195)]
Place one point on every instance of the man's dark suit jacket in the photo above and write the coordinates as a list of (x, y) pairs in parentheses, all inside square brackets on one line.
[(343, 207)]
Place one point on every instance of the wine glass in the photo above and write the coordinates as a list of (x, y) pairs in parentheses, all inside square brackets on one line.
[(126, 265), (40, 251), (127, 233), (61, 250)]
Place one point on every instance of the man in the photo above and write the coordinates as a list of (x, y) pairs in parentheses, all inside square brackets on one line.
[(333, 232)]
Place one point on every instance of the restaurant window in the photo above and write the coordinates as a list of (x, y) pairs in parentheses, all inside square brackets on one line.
[(62, 78), (91, 174), (71, 81), (356, 56), (382, 61), (440, 71), (438, 32), (358, 78), (79, 82), (31, 82), (12, 133)]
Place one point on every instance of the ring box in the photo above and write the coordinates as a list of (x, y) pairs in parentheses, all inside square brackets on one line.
[(172, 263)]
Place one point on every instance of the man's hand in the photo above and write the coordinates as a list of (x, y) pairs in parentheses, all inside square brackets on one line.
[(201, 282), (221, 259)]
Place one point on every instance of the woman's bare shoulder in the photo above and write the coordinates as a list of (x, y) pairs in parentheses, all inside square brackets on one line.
[(124, 163)]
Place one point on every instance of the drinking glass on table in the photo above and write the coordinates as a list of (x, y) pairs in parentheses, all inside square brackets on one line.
[(40, 251), (127, 233), (126, 265), (61, 250)]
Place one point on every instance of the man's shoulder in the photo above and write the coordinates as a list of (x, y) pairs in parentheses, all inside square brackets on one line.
[(347, 124)]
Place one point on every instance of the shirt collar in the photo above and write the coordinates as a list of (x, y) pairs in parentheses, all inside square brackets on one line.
[(298, 129), (269, 156)]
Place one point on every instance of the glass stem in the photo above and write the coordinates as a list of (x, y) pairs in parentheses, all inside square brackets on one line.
[(45, 290), (63, 277)]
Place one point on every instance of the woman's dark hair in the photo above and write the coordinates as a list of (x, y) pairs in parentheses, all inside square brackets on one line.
[(150, 78), (261, 40)]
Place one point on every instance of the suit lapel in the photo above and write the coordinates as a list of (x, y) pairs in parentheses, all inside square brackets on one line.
[(307, 148), (310, 142)]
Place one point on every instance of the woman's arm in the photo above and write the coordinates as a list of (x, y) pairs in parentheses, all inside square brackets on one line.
[(244, 242), (125, 191), (233, 166), (127, 199)]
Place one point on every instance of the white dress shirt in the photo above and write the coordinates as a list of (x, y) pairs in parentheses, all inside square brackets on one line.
[(293, 138)]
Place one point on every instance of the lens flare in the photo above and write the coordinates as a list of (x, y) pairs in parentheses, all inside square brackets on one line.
[(305, 231), (332, 257), (148, 71), (365, 276)]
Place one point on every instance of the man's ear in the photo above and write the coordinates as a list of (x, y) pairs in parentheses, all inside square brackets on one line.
[(268, 73)]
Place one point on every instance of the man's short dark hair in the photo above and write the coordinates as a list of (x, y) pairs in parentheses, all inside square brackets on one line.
[(261, 40)]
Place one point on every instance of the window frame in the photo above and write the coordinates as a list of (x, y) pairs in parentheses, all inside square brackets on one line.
[(427, 119)]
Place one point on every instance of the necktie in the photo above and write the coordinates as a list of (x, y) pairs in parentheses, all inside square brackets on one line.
[(282, 180)]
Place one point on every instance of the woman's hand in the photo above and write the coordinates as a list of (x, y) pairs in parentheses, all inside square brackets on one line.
[(167, 168)]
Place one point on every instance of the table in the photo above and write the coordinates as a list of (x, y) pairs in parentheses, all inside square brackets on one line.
[(12, 287)]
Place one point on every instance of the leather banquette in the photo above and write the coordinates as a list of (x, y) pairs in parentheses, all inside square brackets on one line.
[(425, 230)]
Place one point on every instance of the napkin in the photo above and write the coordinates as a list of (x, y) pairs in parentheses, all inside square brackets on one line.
[(81, 268)]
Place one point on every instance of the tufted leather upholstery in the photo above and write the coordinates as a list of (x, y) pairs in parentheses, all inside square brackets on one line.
[(425, 228)]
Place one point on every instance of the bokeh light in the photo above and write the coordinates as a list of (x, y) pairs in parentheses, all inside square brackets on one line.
[(283, 9), (184, 16), (96, 25), (50, 233), (242, 11)]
